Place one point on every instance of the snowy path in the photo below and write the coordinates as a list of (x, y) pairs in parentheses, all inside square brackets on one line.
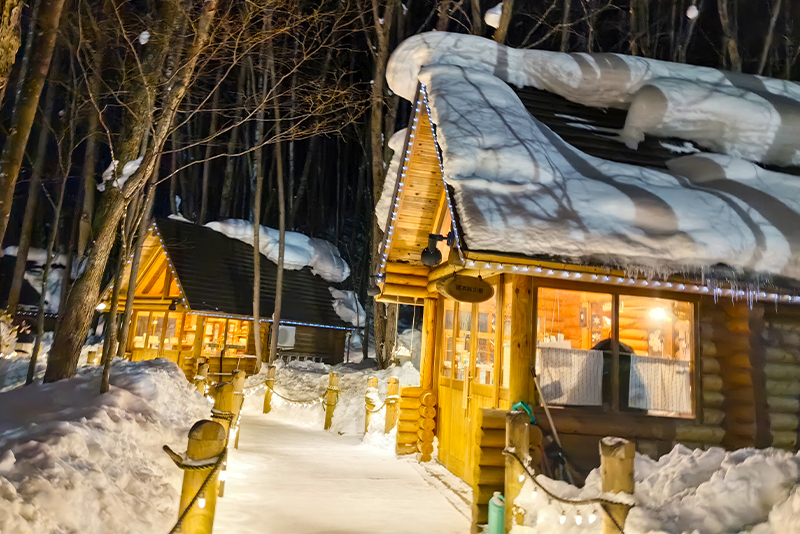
[(287, 479)]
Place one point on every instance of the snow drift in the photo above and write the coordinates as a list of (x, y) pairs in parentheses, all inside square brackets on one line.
[(76, 461), (347, 307), (686, 491), (299, 250)]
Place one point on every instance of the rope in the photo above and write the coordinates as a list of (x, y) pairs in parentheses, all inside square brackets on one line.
[(225, 416), (603, 503), (379, 408), (214, 468), (287, 399)]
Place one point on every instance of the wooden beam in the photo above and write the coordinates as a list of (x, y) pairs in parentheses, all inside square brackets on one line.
[(521, 338), (405, 291), (405, 268), (406, 280), (426, 367)]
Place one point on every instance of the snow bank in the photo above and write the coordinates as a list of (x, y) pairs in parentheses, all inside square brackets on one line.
[(697, 491), (307, 380), (14, 370), (299, 250), (519, 188), (347, 307), (384, 204), (614, 80), (76, 461)]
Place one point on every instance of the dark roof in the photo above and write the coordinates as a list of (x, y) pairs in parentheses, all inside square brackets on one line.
[(216, 274), (593, 131)]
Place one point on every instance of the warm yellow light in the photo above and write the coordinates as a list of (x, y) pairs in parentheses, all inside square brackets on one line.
[(658, 314), (102, 306)]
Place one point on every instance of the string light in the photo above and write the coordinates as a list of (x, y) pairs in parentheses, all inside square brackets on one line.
[(201, 502), (522, 478), (592, 517), (578, 519), (562, 518)]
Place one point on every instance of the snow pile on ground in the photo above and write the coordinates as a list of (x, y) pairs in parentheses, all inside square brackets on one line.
[(712, 107), (384, 204), (686, 491), (35, 271), (519, 188), (76, 461), (347, 307), (299, 250), (410, 343), (301, 381), (14, 370)]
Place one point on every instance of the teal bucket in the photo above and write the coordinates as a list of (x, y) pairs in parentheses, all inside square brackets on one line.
[(497, 507)]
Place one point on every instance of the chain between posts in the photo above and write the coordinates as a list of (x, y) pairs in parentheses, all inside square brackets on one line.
[(602, 503)]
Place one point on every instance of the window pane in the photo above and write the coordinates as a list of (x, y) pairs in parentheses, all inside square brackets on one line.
[(484, 359), (171, 333), (140, 334), (655, 354), (572, 332), (156, 325), (463, 341), (447, 356), (189, 326), (213, 333), (237, 337), (505, 375)]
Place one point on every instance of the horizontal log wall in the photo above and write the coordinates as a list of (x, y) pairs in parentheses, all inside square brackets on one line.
[(780, 352)]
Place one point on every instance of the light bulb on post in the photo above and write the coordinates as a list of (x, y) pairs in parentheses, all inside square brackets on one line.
[(562, 518), (201, 502)]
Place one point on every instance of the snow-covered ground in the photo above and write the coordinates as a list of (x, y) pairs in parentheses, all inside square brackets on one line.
[(74, 461), (14, 370), (684, 492)]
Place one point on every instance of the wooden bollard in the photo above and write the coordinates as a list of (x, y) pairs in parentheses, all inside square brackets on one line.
[(616, 474), (331, 398), (223, 405), (238, 402), (369, 400), (392, 396), (206, 442), (201, 378), (270, 383), (518, 440)]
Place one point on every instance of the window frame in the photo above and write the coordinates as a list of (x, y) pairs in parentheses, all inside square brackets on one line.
[(616, 292)]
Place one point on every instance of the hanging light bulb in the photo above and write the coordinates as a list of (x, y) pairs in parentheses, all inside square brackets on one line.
[(522, 478), (592, 517), (578, 519), (223, 475), (535, 493), (562, 518), (201, 502)]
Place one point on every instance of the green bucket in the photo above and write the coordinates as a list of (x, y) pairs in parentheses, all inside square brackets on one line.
[(497, 506)]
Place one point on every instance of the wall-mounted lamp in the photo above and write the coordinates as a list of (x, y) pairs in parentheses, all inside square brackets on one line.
[(431, 256)]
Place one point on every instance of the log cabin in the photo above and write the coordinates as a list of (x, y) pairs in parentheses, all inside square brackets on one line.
[(193, 302), (653, 290)]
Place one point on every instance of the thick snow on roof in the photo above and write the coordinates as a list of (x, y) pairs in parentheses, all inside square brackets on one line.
[(299, 250), (347, 307), (519, 188), (744, 115)]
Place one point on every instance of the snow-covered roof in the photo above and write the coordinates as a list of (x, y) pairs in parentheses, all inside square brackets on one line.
[(519, 188)]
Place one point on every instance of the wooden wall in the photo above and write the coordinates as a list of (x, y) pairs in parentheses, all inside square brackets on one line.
[(311, 341)]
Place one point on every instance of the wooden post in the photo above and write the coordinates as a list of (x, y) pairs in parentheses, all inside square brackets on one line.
[(518, 440), (201, 378), (331, 398), (392, 396), (270, 383), (199, 334), (206, 442), (369, 400), (238, 401), (616, 473), (521, 339), (427, 426), (223, 405), (426, 366)]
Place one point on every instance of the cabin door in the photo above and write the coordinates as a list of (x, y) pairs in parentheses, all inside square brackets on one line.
[(468, 381)]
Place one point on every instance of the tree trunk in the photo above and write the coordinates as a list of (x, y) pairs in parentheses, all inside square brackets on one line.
[(776, 10), (227, 186), (683, 46), (71, 332), (259, 190), (110, 333), (25, 108), (477, 17), (173, 171), (501, 32), (51, 242), (565, 26), (30, 207), (730, 40), (212, 130)]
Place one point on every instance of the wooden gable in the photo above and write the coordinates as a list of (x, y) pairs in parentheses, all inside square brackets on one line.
[(156, 284), (419, 209)]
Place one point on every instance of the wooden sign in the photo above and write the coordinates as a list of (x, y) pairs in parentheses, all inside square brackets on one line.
[(465, 288)]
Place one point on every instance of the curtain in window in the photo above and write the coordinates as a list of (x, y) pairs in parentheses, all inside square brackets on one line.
[(570, 376), (660, 384)]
